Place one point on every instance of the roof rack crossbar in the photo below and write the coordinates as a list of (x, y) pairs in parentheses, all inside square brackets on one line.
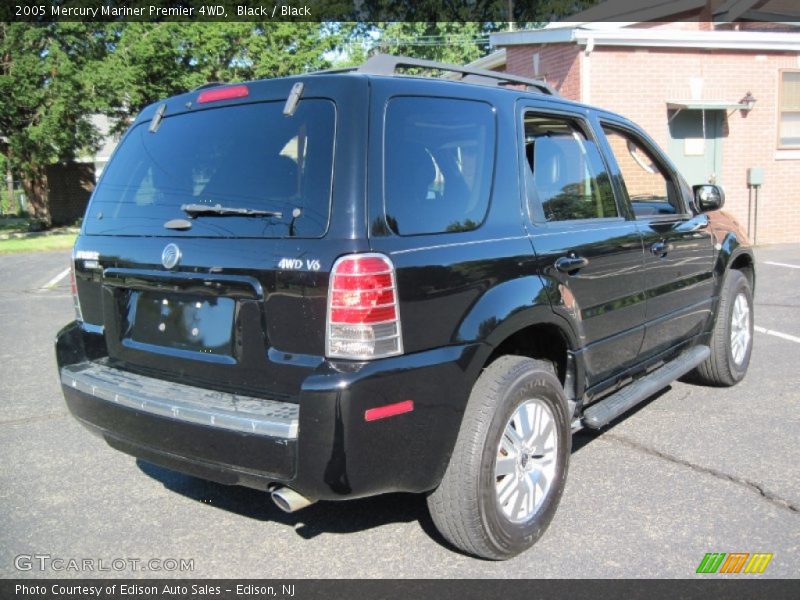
[(387, 64)]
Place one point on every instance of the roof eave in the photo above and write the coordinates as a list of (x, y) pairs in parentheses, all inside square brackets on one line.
[(726, 40), (490, 61)]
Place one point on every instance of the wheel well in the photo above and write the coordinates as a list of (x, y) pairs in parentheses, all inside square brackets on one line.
[(543, 342), (744, 263)]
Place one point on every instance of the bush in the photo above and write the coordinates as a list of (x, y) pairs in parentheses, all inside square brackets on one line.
[(38, 225)]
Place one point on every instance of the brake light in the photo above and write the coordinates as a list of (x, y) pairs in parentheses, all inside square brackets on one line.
[(363, 312), (74, 289), (223, 93)]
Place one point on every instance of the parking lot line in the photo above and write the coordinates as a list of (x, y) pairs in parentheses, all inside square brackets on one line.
[(780, 264), (785, 336), (56, 279)]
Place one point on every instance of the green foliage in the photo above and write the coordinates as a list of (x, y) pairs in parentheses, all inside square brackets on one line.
[(150, 61), (46, 92), (53, 76)]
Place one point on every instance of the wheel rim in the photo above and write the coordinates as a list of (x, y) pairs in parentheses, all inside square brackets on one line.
[(740, 329), (525, 465)]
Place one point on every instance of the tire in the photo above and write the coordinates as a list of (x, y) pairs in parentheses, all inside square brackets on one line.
[(474, 507), (728, 362)]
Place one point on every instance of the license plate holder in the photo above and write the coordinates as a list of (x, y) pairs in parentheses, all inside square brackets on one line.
[(202, 324)]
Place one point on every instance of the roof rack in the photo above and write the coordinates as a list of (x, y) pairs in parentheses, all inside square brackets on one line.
[(387, 64)]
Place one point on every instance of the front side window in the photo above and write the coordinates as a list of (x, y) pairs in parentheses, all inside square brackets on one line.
[(565, 175), (789, 124), (650, 191), (438, 163)]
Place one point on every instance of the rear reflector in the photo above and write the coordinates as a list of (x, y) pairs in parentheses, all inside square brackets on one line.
[(389, 410), (363, 313), (223, 93), (73, 287)]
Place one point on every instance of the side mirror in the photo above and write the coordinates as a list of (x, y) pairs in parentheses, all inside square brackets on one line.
[(708, 197)]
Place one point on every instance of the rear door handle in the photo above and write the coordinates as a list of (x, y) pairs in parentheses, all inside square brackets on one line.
[(570, 264), (661, 248)]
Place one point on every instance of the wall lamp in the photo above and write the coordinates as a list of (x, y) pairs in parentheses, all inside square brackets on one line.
[(748, 102)]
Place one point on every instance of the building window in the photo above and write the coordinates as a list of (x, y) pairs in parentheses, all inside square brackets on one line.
[(789, 121)]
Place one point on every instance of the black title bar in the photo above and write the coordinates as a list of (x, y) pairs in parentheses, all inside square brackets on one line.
[(230, 589)]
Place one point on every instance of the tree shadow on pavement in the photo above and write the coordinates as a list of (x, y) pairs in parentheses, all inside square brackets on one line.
[(323, 517), (331, 517)]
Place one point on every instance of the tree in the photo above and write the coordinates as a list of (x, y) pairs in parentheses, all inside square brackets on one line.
[(53, 76), (46, 96), (150, 61)]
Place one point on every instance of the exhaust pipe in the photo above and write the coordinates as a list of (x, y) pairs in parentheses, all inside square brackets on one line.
[(288, 500)]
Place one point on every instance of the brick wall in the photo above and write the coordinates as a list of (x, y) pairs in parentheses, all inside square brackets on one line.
[(70, 186), (637, 83), (559, 65)]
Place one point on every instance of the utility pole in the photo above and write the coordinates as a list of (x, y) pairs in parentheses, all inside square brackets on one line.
[(10, 184), (6, 151)]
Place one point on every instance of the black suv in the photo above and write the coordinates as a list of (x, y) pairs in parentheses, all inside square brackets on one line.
[(342, 284)]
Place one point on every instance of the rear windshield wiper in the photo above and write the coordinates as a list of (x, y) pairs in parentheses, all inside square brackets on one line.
[(196, 210)]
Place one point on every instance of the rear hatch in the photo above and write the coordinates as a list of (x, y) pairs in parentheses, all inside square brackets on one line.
[(206, 248)]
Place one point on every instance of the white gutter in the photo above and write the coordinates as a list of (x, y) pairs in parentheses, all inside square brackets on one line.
[(658, 38), (490, 61), (533, 36)]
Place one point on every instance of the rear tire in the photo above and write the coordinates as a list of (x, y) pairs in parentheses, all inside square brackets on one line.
[(732, 337), (507, 472)]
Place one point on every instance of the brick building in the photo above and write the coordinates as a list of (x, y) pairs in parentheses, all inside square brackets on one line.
[(70, 185), (718, 89)]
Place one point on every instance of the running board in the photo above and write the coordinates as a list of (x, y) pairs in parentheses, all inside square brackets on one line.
[(602, 413)]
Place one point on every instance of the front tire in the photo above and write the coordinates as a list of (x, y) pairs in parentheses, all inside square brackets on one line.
[(732, 337), (507, 472)]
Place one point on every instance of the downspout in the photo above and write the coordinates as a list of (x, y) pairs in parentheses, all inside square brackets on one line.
[(586, 71)]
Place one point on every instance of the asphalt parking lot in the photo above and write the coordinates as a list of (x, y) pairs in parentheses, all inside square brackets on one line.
[(694, 470)]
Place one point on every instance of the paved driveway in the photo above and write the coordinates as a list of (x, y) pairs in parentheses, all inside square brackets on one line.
[(694, 470)]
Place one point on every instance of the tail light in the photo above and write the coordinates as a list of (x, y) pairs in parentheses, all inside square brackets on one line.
[(74, 289), (363, 312)]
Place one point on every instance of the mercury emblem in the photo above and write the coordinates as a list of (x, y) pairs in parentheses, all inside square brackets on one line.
[(171, 256)]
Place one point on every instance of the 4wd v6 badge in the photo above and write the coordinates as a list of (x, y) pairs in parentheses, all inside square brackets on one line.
[(296, 264)]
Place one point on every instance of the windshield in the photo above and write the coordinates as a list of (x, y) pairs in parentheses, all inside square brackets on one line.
[(245, 156)]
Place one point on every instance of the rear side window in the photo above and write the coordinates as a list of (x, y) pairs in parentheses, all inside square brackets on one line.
[(566, 178), (438, 163), (244, 156)]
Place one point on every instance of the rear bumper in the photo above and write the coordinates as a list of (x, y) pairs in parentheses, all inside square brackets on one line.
[(319, 444)]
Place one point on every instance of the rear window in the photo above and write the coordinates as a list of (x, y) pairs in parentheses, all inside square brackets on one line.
[(439, 155), (246, 156)]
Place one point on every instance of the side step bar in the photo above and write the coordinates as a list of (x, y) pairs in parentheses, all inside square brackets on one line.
[(600, 414)]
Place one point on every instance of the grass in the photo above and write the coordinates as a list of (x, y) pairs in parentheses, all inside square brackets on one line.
[(42, 243)]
